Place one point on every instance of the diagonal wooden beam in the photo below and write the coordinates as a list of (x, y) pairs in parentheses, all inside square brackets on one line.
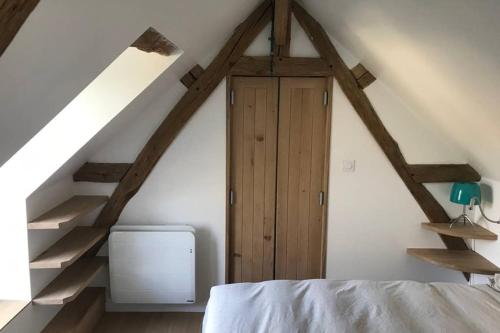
[(168, 130), (13, 14), (282, 21), (431, 207)]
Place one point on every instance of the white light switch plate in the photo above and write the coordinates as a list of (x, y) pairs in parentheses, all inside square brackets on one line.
[(349, 165)]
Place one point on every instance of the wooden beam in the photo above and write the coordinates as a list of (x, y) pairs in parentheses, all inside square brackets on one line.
[(190, 77), (101, 172), (152, 41), (282, 23), (434, 211), (363, 76), (13, 14), (281, 66), (443, 173), (168, 130)]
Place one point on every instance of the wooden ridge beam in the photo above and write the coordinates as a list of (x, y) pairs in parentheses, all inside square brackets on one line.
[(190, 77), (101, 172), (320, 39), (282, 26), (196, 95), (13, 14), (281, 66), (363, 76), (443, 173)]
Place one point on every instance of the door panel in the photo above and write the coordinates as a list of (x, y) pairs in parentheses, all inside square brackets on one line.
[(253, 136), (300, 178)]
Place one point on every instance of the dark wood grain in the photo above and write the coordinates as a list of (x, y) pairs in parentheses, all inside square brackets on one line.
[(101, 172), (13, 14), (168, 130), (282, 20), (363, 76), (152, 41), (443, 173), (431, 207), (281, 66), (190, 77)]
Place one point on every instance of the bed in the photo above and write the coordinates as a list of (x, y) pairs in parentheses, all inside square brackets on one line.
[(351, 306)]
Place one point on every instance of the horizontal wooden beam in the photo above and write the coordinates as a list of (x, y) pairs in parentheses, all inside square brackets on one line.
[(281, 66), (178, 117), (152, 41), (101, 172), (190, 77), (362, 75), (443, 173), (13, 14)]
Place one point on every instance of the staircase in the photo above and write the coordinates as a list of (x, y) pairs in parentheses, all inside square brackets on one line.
[(75, 253)]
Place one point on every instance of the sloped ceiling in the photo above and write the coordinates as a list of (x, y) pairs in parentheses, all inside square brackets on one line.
[(441, 57)]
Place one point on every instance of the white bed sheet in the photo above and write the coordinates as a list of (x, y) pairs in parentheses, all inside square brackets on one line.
[(351, 306)]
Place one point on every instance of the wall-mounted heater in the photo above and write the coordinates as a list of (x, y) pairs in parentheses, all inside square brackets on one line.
[(152, 264)]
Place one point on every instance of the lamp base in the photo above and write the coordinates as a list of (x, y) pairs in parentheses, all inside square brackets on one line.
[(462, 218)]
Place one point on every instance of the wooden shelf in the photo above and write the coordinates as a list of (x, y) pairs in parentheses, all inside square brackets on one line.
[(69, 248), (68, 211), (459, 260), (71, 282), (81, 315), (461, 230)]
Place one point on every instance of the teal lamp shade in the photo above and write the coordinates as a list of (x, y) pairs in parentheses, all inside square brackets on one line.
[(462, 193)]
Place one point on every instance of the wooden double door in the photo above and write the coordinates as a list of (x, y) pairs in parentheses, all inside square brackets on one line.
[(278, 155)]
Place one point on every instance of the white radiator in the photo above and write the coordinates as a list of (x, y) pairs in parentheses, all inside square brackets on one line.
[(152, 264)]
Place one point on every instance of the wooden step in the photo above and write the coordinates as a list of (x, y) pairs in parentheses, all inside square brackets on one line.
[(101, 172), (81, 315), (461, 230), (69, 248), (459, 260), (71, 282), (68, 211)]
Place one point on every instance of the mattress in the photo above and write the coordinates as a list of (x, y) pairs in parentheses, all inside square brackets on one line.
[(352, 306)]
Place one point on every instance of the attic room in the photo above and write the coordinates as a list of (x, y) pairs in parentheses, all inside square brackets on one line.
[(249, 166)]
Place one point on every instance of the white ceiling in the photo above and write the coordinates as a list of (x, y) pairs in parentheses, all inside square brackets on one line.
[(440, 57)]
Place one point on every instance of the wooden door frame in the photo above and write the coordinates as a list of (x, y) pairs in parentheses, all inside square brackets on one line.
[(326, 175)]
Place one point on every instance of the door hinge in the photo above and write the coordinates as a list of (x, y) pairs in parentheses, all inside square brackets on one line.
[(231, 97), (231, 197), (325, 98), (321, 198)]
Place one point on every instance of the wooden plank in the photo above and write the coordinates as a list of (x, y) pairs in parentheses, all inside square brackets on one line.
[(281, 66), (101, 172), (9, 309), (443, 173), (282, 18), (13, 14), (71, 282), (168, 130), (363, 76), (68, 211), (467, 231), (434, 211), (152, 41), (69, 248), (80, 316), (459, 260)]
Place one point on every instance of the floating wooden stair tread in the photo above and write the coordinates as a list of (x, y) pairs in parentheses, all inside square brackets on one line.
[(69, 248), (443, 173), (459, 260), (68, 211), (101, 172), (461, 230), (81, 315), (71, 282)]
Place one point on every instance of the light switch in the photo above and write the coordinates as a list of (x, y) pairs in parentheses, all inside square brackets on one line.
[(349, 165)]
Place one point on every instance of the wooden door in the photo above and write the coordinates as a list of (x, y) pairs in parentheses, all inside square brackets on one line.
[(253, 137), (303, 138)]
